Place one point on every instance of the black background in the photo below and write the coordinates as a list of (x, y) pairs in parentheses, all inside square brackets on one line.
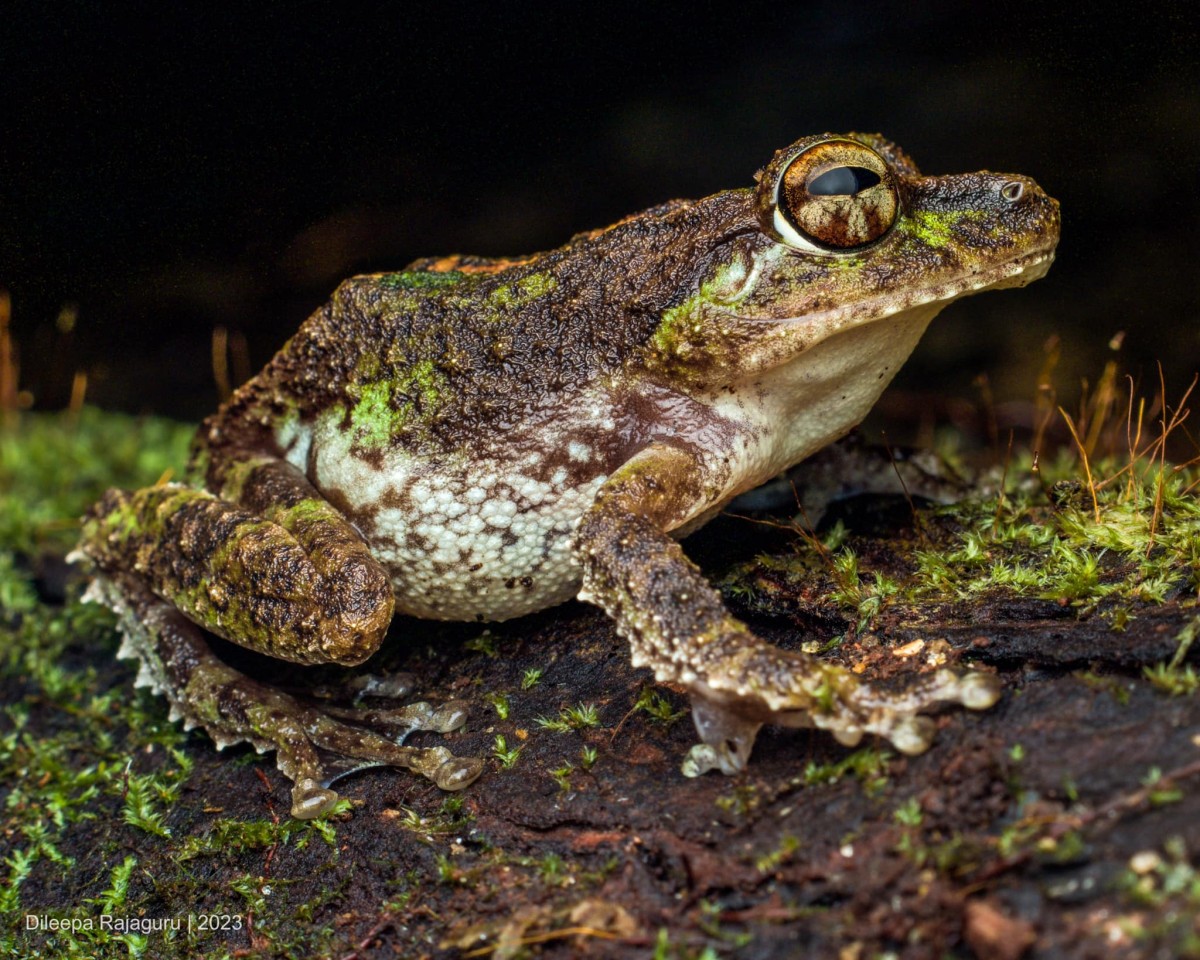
[(171, 169)]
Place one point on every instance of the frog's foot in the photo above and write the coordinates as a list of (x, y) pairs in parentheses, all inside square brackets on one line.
[(761, 684), (205, 692)]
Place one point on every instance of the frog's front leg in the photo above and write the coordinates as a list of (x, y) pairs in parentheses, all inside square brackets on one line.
[(273, 568), (677, 625)]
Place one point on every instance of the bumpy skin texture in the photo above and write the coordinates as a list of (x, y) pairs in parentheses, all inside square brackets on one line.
[(476, 439)]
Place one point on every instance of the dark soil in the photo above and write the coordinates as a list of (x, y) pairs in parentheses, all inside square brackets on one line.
[(1012, 836)]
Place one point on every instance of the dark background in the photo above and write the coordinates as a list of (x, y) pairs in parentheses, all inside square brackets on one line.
[(166, 173)]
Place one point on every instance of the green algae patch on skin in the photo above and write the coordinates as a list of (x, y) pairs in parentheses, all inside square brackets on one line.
[(514, 296), (386, 409), (373, 419), (422, 279), (935, 229)]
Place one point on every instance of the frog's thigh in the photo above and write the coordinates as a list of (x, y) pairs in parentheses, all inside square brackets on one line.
[(204, 691), (288, 576), (677, 625)]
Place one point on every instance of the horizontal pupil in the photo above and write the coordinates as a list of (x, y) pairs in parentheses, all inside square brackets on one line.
[(843, 181)]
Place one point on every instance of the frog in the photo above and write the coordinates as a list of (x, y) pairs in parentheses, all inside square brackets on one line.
[(476, 439)]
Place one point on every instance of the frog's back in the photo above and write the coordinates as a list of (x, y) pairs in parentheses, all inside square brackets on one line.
[(428, 357), (463, 413)]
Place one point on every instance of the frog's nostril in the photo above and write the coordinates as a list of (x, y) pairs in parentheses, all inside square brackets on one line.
[(1012, 191)]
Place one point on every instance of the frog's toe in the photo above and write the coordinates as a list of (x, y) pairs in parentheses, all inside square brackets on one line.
[(972, 689), (447, 718), (458, 773), (311, 800), (726, 739), (399, 722), (859, 708), (978, 690), (910, 735)]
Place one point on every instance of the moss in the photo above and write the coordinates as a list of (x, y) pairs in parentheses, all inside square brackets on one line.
[(93, 775), (373, 419), (658, 706), (1142, 548), (304, 513), (53, 466), (678, 329), (578, 717), (506, 757)]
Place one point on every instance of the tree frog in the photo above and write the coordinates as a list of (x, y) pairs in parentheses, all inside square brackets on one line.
[(475, 439)]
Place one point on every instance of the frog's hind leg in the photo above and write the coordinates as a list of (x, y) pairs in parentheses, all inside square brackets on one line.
[(204, 691), (677, 625), (268, 565)]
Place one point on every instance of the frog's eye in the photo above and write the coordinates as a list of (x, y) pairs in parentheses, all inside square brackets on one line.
[(835, 196)]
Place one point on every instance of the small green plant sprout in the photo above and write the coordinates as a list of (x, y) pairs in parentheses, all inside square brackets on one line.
[(788, 845), (910, 816), (446, 870), (1160, 794), (909, 813), (485, 643), (1176, 678), (141, 791), (571, 718), (709, 921), (869, 765), (1170, 884), (530, 678), (500, 702), (865, 598), (113, 899), (552, 869), (562, 776), (657, 707), (1174, 681), (740, 800), (411, 820), (587, 757), (506, 756), (20, 865)]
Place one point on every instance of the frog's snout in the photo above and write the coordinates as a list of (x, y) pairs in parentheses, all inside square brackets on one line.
[(1021, 201)]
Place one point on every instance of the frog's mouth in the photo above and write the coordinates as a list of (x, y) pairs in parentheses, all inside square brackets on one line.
[(1018, 272), (817, 325), (796, 334)]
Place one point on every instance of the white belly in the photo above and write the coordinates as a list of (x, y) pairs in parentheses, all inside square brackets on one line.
[(469, 555), (479, 540)]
